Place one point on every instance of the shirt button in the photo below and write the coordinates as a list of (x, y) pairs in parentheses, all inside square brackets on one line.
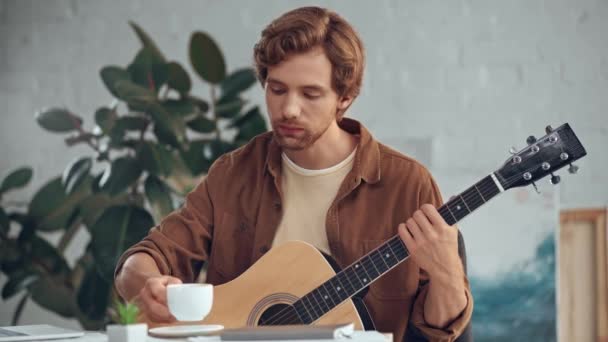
[(242, 227), (277, 205), (264, 249)]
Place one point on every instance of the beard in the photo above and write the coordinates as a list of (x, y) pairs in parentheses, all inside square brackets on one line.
[(296, 141)]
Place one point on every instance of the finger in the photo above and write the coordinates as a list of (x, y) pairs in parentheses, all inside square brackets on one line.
[(158, 290), (159, 312), (414, 229), (407, 238), (172, 280), (154, 310), (423, 223), (433, 215)]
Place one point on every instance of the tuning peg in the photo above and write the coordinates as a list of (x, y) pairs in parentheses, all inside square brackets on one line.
[(531, 140), (555, 179), (513, 150), (536, 188), (548, 129), (573, 169)]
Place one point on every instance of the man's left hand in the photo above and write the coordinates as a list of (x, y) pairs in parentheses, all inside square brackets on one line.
[(432, 243)]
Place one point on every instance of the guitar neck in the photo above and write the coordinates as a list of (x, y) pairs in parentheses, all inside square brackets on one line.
[(385, 257)]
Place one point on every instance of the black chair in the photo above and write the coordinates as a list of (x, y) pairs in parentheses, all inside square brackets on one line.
[(414, 335)]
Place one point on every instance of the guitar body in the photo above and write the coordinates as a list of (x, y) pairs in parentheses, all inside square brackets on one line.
[(282, 276), (279, 278)]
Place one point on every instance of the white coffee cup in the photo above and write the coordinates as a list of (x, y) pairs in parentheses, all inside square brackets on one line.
[(189, 302)]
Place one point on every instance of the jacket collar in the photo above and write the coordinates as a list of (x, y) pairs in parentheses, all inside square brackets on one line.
[(366, 165)]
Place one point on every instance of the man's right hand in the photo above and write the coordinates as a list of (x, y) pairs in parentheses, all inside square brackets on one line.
[(152, 299)]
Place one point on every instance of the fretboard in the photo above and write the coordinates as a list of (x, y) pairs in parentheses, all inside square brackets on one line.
[(382, 259)]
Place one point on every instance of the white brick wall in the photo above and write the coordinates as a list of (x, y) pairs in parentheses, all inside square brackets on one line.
[(455, 83)]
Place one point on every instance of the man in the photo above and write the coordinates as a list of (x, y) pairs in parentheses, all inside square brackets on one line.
[(316, 177)]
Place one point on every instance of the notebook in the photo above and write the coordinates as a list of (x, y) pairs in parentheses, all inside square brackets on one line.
[(289, 332), (36, 332)]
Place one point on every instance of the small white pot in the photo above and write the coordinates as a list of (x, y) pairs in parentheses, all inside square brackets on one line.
[(127, 333)]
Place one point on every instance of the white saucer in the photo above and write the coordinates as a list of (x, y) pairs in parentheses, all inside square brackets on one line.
[(186, 330)]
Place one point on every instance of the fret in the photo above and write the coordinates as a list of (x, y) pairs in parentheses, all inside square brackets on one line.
[(354, 279), (368, 265), (312, 308), (399, 248), (480, 194), (345, 285), (302, 312), (465, 203), (323, 307), (450, 222), (381, 265), (388, 256), (361, 273), (472, 198), (352, 288), (327, 294), (334, 284), (457, 208)]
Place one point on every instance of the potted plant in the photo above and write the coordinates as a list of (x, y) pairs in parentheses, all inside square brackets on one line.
[(127, 329), (149, 145)]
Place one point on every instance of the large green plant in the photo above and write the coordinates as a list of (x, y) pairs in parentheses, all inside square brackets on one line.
[(149, 148)]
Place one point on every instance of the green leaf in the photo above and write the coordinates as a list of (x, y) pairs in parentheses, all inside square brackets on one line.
[(118, 228), (250, 124), (237, 82), (135, 95), (127, 313), (168, 129), (202, 124), (93, 206), (132, 122), (179, 78), (16, 179), (105, 119), (146, 41), (148, 70), (75, 173), (229, 107), (120, 175), (159, 197), (5, 223), (58, 120), (93, 296), (155, 158), (51, 208), (124, 124), (194, 156), (110, 75), (53, 295), (18, 281), (206, 58), (11, 256), (44, 254), (202, 105), (183, 108)]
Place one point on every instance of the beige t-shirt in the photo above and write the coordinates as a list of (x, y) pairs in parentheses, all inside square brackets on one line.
[(307, 195)]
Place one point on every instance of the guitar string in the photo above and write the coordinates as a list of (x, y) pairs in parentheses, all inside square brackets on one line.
[(444, 210), (282, 315)]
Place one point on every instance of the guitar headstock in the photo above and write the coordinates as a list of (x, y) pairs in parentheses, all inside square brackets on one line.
[(558, 148)]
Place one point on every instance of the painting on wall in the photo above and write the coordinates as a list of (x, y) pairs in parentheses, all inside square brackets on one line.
[(518, 305)]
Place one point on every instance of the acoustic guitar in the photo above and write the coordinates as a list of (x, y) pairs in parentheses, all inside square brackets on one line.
[(294, 283)]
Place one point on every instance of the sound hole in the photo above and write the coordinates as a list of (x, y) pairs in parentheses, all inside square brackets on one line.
[(280, 314)]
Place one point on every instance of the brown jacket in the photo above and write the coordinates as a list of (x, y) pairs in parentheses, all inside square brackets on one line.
[(230, 218)]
